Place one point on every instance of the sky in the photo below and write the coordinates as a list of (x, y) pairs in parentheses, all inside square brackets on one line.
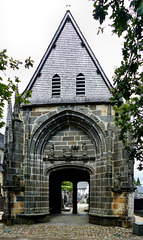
[(28, 26)]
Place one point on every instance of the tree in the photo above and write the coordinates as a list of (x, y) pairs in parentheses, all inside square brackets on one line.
[(137, 183), (8, 87), (127, 92), (67, 186)]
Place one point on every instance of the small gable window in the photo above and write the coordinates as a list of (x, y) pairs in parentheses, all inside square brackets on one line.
[(80, 85), (56, 85)]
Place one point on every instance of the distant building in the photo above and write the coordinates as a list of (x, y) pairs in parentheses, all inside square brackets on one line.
[(1, 155), (1, 159), (139, 192), (83, 192), (1, 148), (138, 200), (83, 188)]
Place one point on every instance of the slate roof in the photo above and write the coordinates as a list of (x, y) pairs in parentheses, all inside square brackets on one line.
[(82, 185), (1, 141), (44, 99)]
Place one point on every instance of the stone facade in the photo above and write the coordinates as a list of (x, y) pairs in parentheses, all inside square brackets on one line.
[(1, 169), (1, 160), (66, 138)]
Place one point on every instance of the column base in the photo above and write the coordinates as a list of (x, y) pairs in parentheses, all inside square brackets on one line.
[(6, 219), (32, 218), (26, 218), (109, 220)]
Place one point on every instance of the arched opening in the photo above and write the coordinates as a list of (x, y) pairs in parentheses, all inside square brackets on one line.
[(67, 119), (82, 197), (67, 196), (80, 85), (56, 178), (56, 84), (67, 146)]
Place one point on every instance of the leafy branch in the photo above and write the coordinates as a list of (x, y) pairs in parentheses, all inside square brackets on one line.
[(7, 89), (127, 94)]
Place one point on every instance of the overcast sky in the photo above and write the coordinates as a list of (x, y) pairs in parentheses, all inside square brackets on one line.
[(28, 26)]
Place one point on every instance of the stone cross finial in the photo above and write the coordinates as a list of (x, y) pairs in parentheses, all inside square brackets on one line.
[(16, 105), (9, 113), (8, 130)]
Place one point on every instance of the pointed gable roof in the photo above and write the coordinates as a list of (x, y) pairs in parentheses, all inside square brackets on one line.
[(68, 17)]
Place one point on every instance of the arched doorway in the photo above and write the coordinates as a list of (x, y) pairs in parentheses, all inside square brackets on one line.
[(82, 197), (56, 178), (67, 196)]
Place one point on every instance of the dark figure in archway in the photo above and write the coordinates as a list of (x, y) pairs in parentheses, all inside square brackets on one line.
[(65, 200)]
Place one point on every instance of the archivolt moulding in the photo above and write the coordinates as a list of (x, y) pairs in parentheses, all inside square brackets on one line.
[(60, 121), (89, 168)]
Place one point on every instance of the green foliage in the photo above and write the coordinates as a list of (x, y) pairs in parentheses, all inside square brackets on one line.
[(7, 88), (67, 186), (127, 20), (137, 183)]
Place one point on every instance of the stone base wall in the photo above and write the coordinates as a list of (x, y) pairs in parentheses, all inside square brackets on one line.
[(111, 221), (25, 219), (18, 204)]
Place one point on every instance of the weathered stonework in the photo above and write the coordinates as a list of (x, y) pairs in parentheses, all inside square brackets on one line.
[(66, 138)]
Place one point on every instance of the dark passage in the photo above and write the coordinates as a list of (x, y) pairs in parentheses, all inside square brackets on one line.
[(56, 178)]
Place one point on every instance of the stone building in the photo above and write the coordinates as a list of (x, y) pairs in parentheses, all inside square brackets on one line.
[(1, 170), (1, 159), (66, 133), (138, 200), (83, 188)]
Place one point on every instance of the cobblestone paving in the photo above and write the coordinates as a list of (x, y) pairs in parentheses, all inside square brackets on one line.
[(62, 232), (67, 230)]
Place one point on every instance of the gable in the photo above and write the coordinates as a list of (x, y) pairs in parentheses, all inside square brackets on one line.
[(68, 56)]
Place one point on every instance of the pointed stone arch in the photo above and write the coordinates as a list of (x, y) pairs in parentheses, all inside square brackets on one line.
[(49, 127), (89, 168), (66, 172), (62, 120)]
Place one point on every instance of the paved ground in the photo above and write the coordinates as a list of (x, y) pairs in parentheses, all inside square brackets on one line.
[(67, 227)]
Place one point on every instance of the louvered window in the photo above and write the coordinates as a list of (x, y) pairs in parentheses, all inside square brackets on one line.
[(56, 83), (80, 85)]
